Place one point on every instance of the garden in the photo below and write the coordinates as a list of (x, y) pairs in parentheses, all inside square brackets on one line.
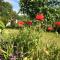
[(32, 36)]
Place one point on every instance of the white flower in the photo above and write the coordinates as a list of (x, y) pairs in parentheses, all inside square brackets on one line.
[(8, 24)]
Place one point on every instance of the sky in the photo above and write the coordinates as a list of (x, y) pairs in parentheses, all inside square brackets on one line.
[(14, 3)]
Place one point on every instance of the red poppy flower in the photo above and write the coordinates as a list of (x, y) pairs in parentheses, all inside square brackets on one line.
[(57, 24), (29, 23), (40, 17), (20, 23), (50, 28)]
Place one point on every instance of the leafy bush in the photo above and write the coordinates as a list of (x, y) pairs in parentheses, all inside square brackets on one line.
[(2, 26)]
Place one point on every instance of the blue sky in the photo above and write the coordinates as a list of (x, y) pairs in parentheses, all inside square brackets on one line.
[(14, 4)]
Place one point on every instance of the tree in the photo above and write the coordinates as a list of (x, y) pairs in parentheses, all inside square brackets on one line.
[(31, 7), (6, 12)]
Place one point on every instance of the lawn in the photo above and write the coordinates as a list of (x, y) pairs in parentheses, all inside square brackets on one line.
[(45, 37), (29, 42)]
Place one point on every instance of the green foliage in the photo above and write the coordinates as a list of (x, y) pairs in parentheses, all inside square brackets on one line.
[(6, 12), (32, 7), (33, 47), (30, 45), (2, 26)]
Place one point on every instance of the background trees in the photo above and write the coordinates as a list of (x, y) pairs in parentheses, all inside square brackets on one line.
[(6, 12), (31, 7), (49, 8)]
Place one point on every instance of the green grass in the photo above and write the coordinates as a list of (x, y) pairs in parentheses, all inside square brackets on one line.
[(33, 41), (45, 36), (7, 33)]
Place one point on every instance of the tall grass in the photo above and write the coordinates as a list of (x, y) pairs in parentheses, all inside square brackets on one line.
[(28, 44)]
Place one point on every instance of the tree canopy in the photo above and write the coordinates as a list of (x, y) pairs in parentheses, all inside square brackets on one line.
[(32, 7)]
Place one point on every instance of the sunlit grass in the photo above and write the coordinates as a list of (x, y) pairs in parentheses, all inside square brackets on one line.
[(45, 36), (34, 41)]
